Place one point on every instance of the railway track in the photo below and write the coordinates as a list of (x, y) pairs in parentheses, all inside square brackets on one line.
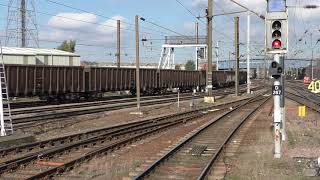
[(23, 119), (41, 103), (314, 105), (28, 120), (30, 109), (302, 95), (38, 103), (88, 104), (315, 98), (194, 157), (48, 158)]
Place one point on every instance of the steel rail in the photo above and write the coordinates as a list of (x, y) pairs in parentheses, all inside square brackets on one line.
[(88, 110), (301, 99), (87, 104), (97, 103), (109, 147), (108, 100), (180, 145), (79, 136), (59, 169), (306, 94), (28, 120), (12, 164), (226, 141), (111, 136)]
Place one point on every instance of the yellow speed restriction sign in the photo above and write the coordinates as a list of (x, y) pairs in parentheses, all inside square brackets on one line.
[(314, 86)]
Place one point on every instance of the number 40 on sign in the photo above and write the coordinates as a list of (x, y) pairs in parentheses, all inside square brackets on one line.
[(314, 86)]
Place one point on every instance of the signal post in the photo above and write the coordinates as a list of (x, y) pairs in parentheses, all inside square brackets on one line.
[(277, 46)]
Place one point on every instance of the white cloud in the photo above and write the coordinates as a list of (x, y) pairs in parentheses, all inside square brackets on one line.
[(108, 27), (57, 35), (72, 20), (83, 27)]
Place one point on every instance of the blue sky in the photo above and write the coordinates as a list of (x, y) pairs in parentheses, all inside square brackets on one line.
[(168, 13)]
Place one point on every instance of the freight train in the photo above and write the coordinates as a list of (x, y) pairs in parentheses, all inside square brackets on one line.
[(52, 82)]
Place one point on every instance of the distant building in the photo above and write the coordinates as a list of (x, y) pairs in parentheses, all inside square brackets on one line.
[(36, 56)]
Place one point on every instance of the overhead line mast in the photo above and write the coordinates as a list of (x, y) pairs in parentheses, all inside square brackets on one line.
[(22, 30), (209, 41)]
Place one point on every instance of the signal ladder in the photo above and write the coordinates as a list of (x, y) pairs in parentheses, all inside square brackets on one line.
[(5, 113)]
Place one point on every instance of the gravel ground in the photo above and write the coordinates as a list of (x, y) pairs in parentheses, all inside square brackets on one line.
[(94, 121), (254, 158), (129, 161), (99, 120)]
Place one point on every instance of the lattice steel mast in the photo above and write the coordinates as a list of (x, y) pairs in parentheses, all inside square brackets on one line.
[(22, 30)]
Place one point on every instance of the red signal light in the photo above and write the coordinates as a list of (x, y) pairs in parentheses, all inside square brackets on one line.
[(276, 44)]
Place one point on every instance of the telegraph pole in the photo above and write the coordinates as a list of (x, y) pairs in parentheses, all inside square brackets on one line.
[(265, 67), (197, 49), (229, 63), (312, 58), (236, 38), (137, 64), (197, 33), (218, 56), (209, 42), (118, 43), (248, 54)]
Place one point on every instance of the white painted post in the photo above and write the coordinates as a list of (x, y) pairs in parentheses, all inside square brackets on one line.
[(248, 54), (283, 132), (2, 131), (277, 115), (193, 96)]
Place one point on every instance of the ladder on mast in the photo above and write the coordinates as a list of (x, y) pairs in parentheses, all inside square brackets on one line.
[(5, 113)]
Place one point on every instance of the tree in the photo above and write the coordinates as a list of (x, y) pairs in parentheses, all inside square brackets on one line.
[(177, 67), (69, 46), (190, 65)]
